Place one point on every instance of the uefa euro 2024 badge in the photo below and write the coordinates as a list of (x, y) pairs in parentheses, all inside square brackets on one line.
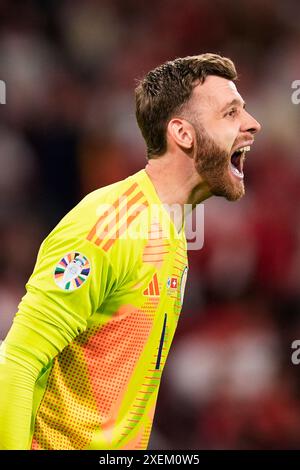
[(72, 271)]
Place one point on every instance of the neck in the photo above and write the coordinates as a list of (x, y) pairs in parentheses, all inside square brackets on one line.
[(177, 183)]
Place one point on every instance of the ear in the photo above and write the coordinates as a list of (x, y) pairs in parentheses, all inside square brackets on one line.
[(181, 132)]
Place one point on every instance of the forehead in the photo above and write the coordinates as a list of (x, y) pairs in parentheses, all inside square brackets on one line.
[(215, 93)]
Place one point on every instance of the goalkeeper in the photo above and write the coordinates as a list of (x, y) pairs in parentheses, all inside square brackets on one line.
[(81, 365)]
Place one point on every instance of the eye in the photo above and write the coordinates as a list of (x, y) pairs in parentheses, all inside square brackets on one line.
[(232, 112)]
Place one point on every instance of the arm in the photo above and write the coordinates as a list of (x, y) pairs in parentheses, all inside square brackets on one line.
[(48, 319)]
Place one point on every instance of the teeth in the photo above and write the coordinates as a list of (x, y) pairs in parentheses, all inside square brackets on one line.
[(243, 149)]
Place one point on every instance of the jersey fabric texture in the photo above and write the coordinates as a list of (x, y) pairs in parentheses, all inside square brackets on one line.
[(81, 365)]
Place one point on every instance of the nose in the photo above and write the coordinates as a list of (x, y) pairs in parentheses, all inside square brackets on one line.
[(250, 124)]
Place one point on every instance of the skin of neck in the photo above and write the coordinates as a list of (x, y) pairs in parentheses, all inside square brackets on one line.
[(177, 182)]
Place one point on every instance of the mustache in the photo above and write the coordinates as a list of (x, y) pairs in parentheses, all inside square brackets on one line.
[(247, 138)]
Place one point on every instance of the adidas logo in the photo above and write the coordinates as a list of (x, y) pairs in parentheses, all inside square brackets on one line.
[(152, 288)]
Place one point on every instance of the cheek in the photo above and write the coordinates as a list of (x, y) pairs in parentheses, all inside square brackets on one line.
[(224, 135)]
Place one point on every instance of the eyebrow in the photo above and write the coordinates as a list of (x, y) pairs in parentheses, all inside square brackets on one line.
[(234, 102)]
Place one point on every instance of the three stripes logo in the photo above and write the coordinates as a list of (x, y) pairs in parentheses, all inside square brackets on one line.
[(152, 289)]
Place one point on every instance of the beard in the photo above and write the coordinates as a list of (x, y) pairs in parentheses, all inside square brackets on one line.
[(212, 164)]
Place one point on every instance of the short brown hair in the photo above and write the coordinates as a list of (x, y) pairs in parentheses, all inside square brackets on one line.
[(163, 91)]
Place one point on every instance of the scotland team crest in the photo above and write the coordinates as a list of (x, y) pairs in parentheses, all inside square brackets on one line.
[(72, 271)]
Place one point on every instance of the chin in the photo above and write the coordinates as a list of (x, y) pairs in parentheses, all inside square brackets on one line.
[(230, 192), (235, 196)]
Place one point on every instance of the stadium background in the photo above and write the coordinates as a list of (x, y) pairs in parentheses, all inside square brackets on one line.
[(68, 127)]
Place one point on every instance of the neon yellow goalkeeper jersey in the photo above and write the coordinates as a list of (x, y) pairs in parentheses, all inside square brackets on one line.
[(81, 365)]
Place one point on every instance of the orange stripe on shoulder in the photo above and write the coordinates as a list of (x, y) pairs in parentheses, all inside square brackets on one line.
[(124, 227), (108, 212), (104, 216), (120, 215)]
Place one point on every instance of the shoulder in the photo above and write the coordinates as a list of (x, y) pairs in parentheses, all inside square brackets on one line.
[(99, 205), (106, 219)]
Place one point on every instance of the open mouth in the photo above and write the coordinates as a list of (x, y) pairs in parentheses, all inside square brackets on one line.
[(237, 161)]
